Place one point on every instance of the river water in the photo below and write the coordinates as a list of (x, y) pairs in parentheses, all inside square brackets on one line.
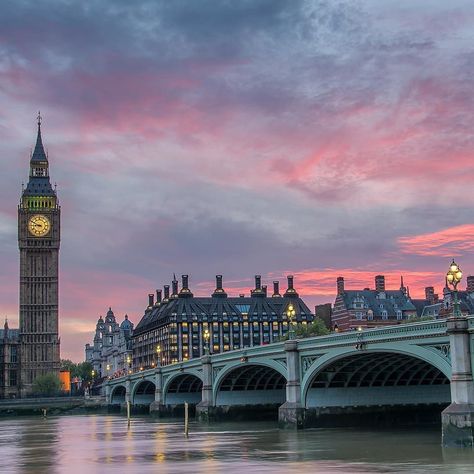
[(104, 444)]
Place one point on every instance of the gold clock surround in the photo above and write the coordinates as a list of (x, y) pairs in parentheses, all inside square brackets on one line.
[(39, 225)]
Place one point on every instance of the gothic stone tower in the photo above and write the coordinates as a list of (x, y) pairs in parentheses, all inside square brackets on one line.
[(38, 240)]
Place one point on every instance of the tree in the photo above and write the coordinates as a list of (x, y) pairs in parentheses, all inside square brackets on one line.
[(48, 385), (316, 328), (67, 364), (417, 319), (84, 371)]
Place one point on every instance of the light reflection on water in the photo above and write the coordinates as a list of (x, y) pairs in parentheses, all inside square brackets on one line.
[(104, 444)]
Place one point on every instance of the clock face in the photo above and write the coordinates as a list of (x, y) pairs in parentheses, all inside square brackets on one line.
[(39, 225)]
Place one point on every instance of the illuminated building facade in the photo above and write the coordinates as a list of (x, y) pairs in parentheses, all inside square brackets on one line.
[(174, 326), (112, 346)]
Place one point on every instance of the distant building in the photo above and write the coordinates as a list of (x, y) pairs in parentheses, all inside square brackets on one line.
[(465, 299), (111, 347), (9, 366), (176, 324), (324, 312), (368, 308)]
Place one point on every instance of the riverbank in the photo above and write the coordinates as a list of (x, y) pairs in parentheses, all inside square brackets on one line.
[(52, 406)]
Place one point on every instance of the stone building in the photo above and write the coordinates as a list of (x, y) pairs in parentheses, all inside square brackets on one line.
[(33, 349), (112, 346), (368, 308), (173, 327), (9, 366)]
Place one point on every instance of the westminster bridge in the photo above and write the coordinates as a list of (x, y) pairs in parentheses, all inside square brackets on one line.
[(358, 373)]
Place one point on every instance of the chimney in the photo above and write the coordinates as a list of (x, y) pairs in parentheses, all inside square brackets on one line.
[(158, 296), (264, 289), (167, 292), (340, 285), (429, 294), (290, 291), (174, 284), (185, 288), (151, 297), (379, 283), (470, 284), (276, 289), (258, 282), (219, 291)]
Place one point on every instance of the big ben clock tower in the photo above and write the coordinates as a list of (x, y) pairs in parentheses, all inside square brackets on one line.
[(38, 240)]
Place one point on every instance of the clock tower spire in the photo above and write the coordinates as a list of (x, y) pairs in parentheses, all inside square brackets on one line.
[(38, 240)]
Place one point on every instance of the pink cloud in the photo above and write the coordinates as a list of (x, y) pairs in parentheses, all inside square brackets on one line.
[(451, 242)]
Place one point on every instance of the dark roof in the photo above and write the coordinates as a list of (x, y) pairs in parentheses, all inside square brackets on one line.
[(207, 307), (39, 154), (39, 185), (394, 300), (12, 335)]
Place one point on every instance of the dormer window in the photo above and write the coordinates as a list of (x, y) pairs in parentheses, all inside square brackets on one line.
[(384, 314), (399, 314)]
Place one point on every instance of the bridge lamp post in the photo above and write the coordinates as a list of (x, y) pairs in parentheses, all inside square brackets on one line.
[(158, 355), (290, 314), (129, 363), (453, 277), (206, 341)]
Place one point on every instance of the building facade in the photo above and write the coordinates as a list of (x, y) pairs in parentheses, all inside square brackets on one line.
[(38, 241), (174, 327), (366, 308), (112, 346), (9, 362)]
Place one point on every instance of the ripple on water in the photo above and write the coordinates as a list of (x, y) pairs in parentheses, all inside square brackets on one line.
[(104, 444)]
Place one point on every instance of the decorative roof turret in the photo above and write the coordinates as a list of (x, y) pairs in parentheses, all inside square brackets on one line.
[(38, 183), (110, 317)]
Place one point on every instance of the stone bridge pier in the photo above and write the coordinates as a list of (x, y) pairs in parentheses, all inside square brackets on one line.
[(458, 418)]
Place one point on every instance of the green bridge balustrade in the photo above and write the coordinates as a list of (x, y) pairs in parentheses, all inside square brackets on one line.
[(417, 365)]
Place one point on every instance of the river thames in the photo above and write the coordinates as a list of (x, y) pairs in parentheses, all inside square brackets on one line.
[(104, 444)]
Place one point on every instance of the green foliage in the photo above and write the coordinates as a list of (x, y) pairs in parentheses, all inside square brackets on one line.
[(417, 319), (316, 328), (47, 385), (82, 370)]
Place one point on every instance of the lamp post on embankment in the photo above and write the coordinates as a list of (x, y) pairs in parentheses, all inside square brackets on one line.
[(458, 418)]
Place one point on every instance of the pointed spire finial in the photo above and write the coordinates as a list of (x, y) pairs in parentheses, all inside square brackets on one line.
[(39, 118)]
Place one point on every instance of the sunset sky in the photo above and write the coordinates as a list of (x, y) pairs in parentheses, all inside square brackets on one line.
[(317, 138)]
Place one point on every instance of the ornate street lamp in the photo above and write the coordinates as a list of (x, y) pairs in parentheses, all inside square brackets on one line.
[(129, 362), (453, 277), (158, 355), (206, 336), (290, 314)]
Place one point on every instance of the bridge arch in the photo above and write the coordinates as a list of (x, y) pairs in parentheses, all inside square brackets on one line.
[(117, 395), (379, 376), (143, 392), (250, 383), (183, 387)]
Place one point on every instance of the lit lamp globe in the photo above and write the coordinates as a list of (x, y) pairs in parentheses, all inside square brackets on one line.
[(453, 277)]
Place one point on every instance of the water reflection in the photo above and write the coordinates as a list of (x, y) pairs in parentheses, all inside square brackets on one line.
[(93, 444)]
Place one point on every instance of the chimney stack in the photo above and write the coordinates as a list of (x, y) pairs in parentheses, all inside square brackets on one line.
[(174, 284), (429, 294), (158, 296), (219, 291), (151, 297), (470, 284), (340, 285), (167, 292), (290, 291), (264, 289), (258, 282), (276, 289), (379, 283), (185, 292)]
